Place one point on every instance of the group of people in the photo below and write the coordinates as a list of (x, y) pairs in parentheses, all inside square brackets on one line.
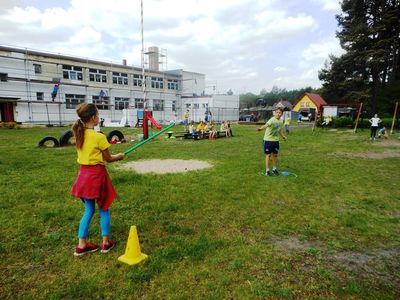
[(382, 133), (205, 128)]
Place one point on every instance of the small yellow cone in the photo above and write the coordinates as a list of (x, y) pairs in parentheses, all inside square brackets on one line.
[(132, 255)]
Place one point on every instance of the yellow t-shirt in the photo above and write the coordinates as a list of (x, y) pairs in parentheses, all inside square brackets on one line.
[(94, 143), (200, 127)]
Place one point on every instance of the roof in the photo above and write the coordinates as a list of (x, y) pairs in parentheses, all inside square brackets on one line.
[(316, 98), (286, 105)]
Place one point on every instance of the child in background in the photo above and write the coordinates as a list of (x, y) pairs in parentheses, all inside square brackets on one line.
[(93, 183), (212, 130), (274, 128), (193, 131), (382, 133)]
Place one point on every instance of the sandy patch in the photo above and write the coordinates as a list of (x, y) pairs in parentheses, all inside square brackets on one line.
[(388, 143), (368, 155), (163, 166)]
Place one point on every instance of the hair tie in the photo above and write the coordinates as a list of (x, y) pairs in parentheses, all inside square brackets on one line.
[(80, 120)]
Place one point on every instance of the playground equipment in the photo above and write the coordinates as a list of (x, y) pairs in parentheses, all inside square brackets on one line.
[(148, 139), (133, 254)]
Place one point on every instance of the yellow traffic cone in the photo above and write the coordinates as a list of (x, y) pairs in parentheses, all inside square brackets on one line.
[(132, 254)]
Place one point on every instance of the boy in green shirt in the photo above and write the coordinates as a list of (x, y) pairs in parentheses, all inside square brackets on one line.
[(274, 128)]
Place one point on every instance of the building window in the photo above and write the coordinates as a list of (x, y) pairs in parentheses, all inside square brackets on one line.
[(157, 83), (137, 80), (173, 105), (196, 105), (3, 77), (188, 105), (72, 101), (121, 103), (302, 104), (120, 78), (139, 103), (172, 84), (97, 75), (307, 104), (72, 72), (39, 96), (38, 68), (101, 102), (158, 105)]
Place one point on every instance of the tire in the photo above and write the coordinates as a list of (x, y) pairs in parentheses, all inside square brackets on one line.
[(42, 142), (114, 133), (65, 138)]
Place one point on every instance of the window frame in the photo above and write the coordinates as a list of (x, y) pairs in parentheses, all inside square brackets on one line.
[(102, 103), (98, 75), (73, 104), (158, 105), (139, 103), (157, 82), (120, 78), (37, 68), (39, 96), (121, 100), (72, 72)]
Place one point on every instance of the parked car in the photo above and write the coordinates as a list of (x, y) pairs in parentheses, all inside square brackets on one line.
[(246, 118), (305, 118)]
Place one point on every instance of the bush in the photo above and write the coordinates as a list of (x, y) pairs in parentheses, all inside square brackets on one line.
[(364, 123), (342, 122)]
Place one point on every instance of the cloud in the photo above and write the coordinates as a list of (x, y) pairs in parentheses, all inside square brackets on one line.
[(329, 5), (236, 42), (279, 69)]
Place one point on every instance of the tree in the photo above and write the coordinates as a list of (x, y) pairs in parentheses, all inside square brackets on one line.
[(370, 35)]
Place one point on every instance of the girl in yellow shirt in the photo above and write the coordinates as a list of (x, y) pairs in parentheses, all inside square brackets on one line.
[(93, 183)]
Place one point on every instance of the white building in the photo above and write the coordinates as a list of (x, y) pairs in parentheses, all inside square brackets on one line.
[(27, 79)]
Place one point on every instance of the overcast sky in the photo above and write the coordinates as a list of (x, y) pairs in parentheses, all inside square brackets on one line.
[(243, 45)]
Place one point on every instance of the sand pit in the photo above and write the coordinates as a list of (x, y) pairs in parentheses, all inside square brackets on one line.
[(163, 166)]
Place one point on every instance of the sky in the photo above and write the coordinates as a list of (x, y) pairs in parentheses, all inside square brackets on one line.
[(240, 45)]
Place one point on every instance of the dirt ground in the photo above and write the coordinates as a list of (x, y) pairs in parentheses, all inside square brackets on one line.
[(368, 155), (163, 166)]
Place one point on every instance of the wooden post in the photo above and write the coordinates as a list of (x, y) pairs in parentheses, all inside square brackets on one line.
[(358, 117), (394, 117)]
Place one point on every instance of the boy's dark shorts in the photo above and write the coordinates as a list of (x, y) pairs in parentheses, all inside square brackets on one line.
[(270, 147)]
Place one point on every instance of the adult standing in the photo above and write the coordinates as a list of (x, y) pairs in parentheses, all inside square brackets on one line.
[(374, 126)]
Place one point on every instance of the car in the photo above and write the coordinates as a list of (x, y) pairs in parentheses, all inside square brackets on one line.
[(305, 118)]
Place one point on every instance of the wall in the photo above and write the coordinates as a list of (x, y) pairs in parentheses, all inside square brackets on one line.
[(304, 103)]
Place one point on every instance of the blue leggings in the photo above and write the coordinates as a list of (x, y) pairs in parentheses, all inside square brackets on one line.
[(87, 217)]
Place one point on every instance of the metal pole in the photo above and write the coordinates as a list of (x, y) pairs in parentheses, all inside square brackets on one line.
[(145, 120), (394, 117), (48, 117)]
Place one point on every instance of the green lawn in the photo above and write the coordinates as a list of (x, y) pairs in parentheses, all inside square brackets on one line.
[(221, 233)]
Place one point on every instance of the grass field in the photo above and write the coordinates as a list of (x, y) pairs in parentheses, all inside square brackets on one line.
[(221, 233)]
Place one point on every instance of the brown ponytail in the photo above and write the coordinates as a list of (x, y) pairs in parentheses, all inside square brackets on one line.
[(85, 112)]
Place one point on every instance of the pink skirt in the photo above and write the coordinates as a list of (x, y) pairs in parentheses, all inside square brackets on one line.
[(93, 182)]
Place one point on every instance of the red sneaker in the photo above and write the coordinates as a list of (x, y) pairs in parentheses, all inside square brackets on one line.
[(105, 248), (89, 248)]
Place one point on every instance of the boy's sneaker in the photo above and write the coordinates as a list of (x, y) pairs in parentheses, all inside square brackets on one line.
[(106, 248), (89, 248), (275, 171), (268, 173)]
